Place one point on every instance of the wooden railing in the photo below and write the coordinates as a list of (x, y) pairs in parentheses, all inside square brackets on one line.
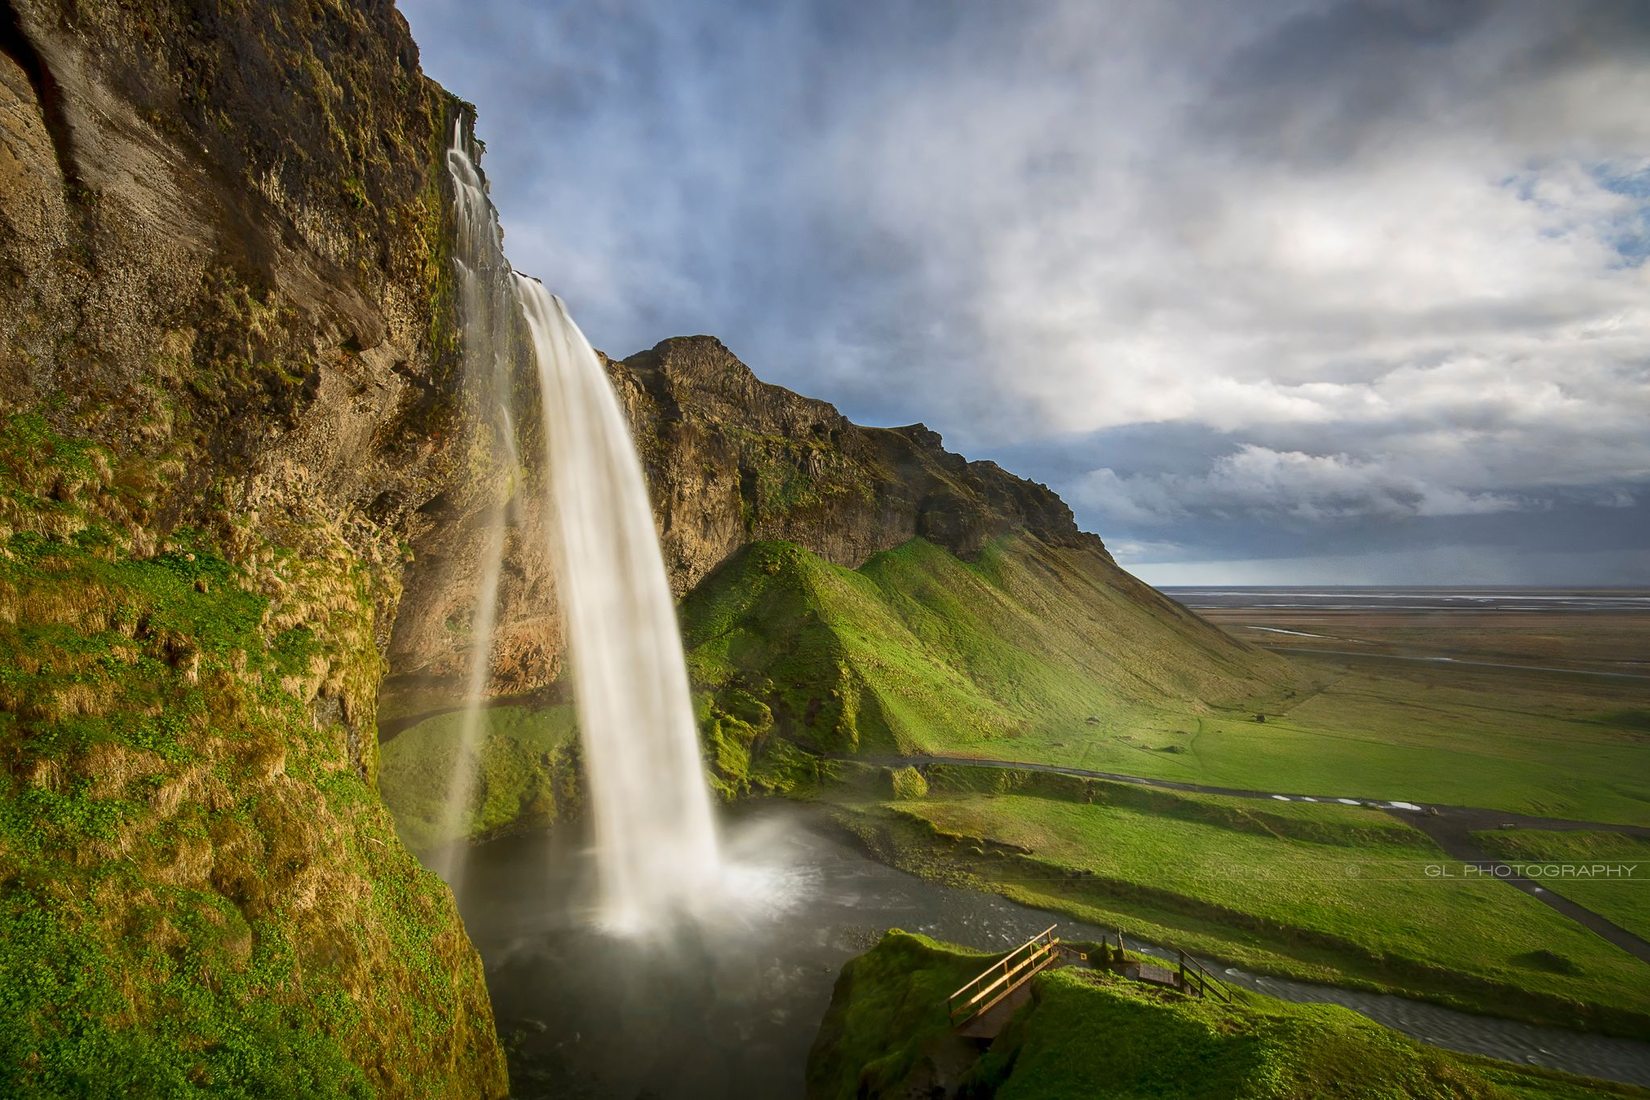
[(1003, 977), (1194, 977)]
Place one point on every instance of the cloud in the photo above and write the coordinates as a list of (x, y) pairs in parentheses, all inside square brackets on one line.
[(1321, 261), (1262, 483)]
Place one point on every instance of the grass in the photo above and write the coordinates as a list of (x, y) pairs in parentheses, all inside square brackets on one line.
[(1087, 1033), (1317, 892), (1028, 649), (199, 889), (526, 774), (1044, 655), (887, 1009), (1626, 901)]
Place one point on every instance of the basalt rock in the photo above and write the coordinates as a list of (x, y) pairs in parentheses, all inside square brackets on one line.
[(732, 460)]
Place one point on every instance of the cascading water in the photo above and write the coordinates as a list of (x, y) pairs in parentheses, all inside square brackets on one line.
[(657, 852), (487, 301), (656, 841)]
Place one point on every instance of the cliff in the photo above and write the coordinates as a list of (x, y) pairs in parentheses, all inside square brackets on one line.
[(226, 356), (730, 461), (844, 589), (241, 483)]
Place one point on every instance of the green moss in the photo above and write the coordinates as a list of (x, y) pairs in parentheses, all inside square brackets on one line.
[(526, 774), (907, 783), (199, 891), (888, 1016)]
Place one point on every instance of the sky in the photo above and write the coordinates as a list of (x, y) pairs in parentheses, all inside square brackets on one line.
[(1271, 292)]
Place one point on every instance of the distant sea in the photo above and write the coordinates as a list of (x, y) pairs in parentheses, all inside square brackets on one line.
[(1358, 598)]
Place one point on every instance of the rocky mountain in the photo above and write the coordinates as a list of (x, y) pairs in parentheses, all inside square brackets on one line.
[(845, 589), (731, 461), (226, 354)]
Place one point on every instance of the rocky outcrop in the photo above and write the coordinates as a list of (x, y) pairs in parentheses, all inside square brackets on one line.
[(224, 255), (730, 461), (227, 395)]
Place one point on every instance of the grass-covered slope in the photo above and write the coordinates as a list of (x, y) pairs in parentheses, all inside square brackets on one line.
[(1031, 649), (1089, 1034), (199, 889), (1048, 654)]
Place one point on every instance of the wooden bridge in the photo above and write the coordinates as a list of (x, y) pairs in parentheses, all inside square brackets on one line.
[(983, 1007)]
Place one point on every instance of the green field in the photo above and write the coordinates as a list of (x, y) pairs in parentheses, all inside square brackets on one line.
[(1319, 892), (1087, 1033), (1626, 901)]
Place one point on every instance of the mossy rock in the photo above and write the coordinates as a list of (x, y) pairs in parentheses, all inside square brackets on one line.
[(907, 783), (199, 888)]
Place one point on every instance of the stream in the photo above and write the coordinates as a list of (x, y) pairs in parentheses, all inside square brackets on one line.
[(730, 1007)]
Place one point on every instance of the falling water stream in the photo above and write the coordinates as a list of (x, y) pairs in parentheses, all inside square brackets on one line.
[(655, 838), (656, 844)]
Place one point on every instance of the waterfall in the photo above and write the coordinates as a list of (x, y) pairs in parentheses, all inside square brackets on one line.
[(486, 297), (655, 839), (656, 844)]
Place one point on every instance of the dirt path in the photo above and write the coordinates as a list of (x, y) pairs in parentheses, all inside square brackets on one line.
[(1453, 833)]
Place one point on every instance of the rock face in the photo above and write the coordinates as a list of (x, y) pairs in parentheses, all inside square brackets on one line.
[(225, 254), (227, 347), (978, 614), (733, 460), (730, 460)]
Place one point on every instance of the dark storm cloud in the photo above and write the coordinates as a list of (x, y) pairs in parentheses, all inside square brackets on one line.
[(1245, 282)]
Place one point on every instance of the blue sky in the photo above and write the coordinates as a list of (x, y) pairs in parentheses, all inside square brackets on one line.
[(1286, 290)]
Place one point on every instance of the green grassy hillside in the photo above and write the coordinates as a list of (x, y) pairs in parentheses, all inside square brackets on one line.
[(526, 773), (1087, 1033), (1031, 651)]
